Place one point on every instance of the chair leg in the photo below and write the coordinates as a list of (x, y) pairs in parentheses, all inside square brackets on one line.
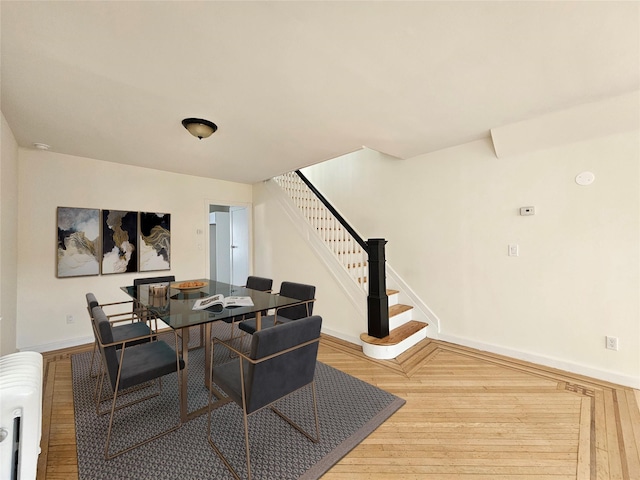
[(209, 438), (109, 456), (93, 355), (315, 439), (246, 443), (132, 390), (245, 417)]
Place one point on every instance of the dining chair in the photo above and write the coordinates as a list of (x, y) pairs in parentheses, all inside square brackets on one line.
[(300, 291), (129, 366), (125, 326), (147, 281), (144, 312), (255, 283), (281, 361)]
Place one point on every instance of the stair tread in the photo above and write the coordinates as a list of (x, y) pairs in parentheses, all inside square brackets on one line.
[(391, 292), (397, 335), (398, 308)]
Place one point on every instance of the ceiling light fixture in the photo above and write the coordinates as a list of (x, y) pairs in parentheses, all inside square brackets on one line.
[(41, 146), (199, 128)]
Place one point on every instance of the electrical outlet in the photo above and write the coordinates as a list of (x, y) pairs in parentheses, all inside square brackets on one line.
[(70, 319), (612, 343), (514, 250)]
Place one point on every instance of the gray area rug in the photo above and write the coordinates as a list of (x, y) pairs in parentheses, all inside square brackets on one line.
[(349, 410)]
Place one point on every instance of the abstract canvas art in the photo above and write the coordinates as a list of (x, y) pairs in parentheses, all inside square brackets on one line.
[(78, 242), (119, 241), (155, 241)]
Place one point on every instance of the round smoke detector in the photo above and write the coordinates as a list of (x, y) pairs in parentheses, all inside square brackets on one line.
[(585, 178)]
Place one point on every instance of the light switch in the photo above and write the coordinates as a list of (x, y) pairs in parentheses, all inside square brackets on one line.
[(514, 251)]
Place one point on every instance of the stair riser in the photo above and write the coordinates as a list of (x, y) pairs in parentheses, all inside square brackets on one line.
[(400, 319), (386, 352), (394, 299)]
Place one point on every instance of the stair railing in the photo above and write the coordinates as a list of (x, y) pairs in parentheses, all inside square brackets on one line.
[(364, 260)]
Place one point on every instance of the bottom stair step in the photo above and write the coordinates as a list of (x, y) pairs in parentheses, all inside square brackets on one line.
[(397, 342), (397, 335)]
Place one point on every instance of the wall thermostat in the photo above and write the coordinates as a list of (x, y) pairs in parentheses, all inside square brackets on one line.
[(585, 178), (524, 211)]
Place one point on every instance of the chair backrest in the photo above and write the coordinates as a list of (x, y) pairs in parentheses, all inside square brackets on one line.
[(259, 283), (146, 281), (272, 379), (105, 336), (91, 302), (301, 292)]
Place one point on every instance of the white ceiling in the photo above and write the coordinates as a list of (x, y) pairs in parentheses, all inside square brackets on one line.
[(290, 84)]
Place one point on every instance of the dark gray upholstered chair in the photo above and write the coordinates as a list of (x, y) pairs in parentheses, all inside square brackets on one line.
[(121, 330), (281, 361), (144, 313), (148, 280), (255, 283), (304, 293), (128, 366), (165, 279)]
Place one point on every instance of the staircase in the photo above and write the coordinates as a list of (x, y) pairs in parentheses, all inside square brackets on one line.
[(404, 331)]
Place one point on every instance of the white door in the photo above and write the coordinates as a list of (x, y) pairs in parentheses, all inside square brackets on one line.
[(221, 247), (239, 245)]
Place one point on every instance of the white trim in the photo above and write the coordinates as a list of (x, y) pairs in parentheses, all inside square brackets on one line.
[(421, 311), (355, 293), (386, 352), (49, 347), (605, 375), (398, 320), (341, 336), (205, 241)]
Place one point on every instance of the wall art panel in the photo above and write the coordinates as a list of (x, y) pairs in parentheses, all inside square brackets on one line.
[(78, 242), (119, 241), (155, 241)]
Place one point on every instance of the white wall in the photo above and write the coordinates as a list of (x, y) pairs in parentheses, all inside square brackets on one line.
[(450, 215), (8, 239), (48, 180), (282, 253)]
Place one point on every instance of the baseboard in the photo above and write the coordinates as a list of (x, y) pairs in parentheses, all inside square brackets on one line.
[(605, 375), (342, 336), (50, 347)]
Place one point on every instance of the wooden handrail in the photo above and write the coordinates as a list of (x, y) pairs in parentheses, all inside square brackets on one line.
[(377, 300), (334, 212)]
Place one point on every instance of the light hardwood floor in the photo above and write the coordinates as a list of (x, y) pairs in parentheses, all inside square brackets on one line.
[(469, 415)]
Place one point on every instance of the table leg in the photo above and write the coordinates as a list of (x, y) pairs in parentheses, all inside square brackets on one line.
[(207, 355), (258, 321), (184, 410), (185, 414)]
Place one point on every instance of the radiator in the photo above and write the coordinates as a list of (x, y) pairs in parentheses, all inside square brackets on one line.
[(20, 415)]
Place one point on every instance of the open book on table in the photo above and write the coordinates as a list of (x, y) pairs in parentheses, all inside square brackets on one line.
[(223, 301)]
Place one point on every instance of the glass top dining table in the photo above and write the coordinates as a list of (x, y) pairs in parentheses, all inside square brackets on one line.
[(175, 308)]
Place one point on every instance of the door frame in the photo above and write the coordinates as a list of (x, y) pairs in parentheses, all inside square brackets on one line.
[(207, 240)]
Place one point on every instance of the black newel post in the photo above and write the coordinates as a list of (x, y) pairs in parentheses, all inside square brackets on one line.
[(377, 301)]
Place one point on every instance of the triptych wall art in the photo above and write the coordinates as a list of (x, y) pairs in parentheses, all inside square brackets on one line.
[(93, 241)]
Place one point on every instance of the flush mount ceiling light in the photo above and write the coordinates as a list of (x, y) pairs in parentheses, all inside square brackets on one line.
[(199, 127), (41, 146)]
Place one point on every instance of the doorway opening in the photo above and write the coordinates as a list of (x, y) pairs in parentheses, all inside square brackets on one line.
[(229, 243)]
